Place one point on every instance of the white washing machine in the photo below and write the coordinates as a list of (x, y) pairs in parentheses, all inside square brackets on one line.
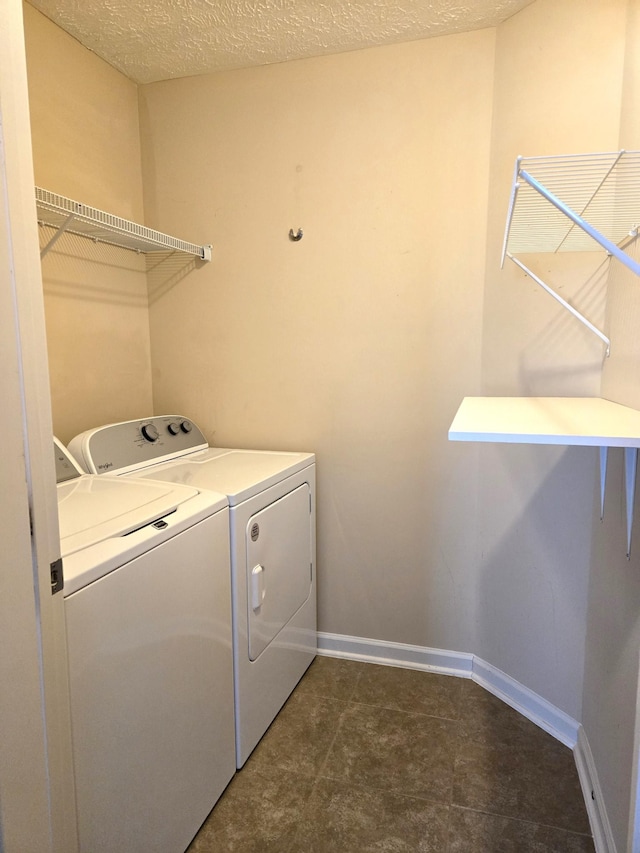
[(148, 624), (272, 525)]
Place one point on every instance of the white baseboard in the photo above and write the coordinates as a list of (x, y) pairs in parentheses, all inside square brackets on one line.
[(532, 706), (541, 712), (395, 654), (600, 826)]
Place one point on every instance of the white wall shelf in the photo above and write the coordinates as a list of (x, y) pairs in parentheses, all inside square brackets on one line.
[(574, 203), (66, 215), (583, 421), (589, 421)]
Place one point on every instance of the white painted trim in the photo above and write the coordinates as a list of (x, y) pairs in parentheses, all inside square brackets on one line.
[(395, 654), (588, 775), (532, 706)]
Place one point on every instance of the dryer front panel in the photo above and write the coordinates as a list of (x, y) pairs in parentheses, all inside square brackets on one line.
[(279, 566)]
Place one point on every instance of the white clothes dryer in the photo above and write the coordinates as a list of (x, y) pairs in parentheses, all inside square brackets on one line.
[(272, 529), (148, 631)]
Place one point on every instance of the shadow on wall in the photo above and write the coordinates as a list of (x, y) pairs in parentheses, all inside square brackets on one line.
[(565, 354), (535, 517), (93, 272), (165, 270)]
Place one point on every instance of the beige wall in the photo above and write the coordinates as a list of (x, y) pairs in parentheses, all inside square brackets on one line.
[(359, 341), (84, 120), (610, 715)]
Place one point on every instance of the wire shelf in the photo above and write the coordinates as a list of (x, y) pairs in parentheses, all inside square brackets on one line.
[(603, 189), (67, 215)]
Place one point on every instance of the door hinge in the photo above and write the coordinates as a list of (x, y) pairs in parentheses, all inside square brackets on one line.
[(57, 579)]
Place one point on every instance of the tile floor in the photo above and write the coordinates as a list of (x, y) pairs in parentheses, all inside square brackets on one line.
[(374, 758)]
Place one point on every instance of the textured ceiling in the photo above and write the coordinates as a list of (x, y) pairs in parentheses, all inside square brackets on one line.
[(149, 40)]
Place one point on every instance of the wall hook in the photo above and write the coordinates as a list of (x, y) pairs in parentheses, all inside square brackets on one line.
[(297, 236)]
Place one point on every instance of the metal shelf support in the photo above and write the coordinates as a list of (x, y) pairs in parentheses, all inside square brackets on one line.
[(630, 477), (630, 466), (604, 455), (64, 227), (577, 202), (564, 303)]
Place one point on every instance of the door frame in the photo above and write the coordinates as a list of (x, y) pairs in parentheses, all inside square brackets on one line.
[(37, 798)]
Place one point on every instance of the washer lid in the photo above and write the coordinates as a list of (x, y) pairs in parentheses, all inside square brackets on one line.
[(92, 509), (239, 474)]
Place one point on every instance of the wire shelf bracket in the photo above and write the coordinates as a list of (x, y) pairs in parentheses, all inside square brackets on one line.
[(573, 203), (73, 217)]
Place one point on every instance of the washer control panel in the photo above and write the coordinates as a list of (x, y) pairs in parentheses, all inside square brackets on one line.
[(127, 446), (66, 468)]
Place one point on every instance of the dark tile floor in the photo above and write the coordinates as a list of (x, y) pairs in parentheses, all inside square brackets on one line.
[(366, 758)]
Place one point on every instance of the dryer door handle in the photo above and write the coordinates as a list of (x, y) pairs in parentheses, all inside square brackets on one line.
[(257, 586)]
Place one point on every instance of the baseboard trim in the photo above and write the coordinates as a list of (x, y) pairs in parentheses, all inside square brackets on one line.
[(395, 654), (587, 773), (545, 715)]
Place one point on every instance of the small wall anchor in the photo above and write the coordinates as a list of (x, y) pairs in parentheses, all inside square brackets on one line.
[(297, 236)]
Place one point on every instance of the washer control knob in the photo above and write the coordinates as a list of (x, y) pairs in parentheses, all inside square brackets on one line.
[(173, 428), (150, 433), (186, 426)]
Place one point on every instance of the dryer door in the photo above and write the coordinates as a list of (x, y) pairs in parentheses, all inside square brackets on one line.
[(279, 566)]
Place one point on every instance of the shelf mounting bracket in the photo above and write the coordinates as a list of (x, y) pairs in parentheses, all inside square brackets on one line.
[(630, 465), (604, 455), (630, 470), (65, 225), (563, 302)]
